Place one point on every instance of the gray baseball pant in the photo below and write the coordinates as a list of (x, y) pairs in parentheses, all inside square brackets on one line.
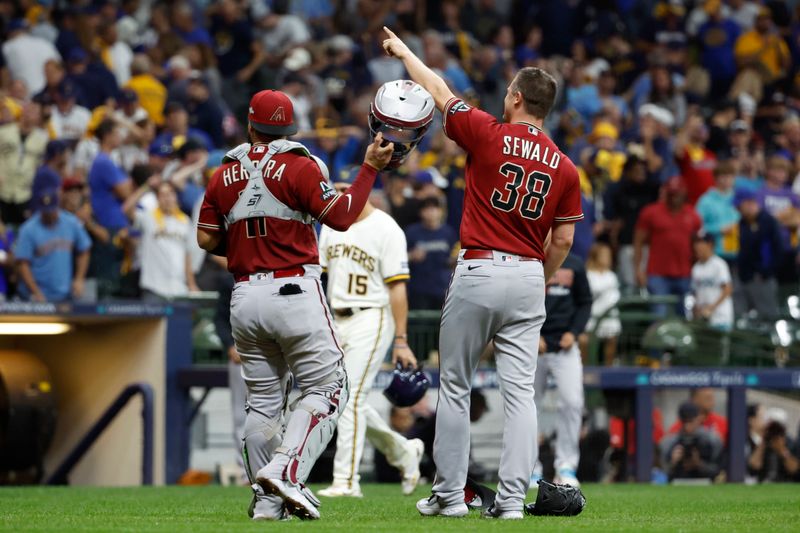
[(566, 368), (276, 334), (500, 299)]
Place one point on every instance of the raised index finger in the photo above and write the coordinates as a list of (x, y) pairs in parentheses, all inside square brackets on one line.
[(390, 32)]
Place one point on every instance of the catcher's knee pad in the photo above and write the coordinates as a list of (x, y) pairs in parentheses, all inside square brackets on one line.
[(312, 424), (262, 436)]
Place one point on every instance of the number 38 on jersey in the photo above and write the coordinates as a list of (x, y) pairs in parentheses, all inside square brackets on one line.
[(525, 193)]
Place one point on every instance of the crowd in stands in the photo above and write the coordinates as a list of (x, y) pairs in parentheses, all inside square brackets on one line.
[(682, 117)]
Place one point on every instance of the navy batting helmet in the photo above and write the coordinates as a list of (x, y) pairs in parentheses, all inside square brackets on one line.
[(408, 386)]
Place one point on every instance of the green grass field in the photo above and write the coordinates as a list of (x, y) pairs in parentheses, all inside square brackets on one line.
[(197, 509)]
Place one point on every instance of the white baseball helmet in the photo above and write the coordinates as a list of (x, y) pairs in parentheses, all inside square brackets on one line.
[(402, 111)]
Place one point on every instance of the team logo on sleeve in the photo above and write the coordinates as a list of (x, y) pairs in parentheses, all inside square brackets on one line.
[(459, 107), (328, 192)]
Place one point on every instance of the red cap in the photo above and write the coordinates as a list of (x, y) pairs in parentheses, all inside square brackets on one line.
[(271, 113)]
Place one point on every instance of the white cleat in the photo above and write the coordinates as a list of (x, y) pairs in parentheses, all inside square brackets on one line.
[(297, 503), (495, 513), (433, 506), (342, 491), (566, 476), (409, 469)]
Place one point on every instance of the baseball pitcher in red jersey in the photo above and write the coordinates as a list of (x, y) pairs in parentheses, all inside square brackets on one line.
[(259, 211), (520, 189)]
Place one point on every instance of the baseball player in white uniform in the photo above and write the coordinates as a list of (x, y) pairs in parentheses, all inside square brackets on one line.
[(367, 269)]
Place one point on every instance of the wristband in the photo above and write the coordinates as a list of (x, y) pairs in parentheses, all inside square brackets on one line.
[(403, 336)]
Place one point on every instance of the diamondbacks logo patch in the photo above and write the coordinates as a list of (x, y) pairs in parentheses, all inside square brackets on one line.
[(459, 107), (278, 115), (328, 192)]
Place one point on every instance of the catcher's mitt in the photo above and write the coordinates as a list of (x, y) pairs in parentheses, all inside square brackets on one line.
[(556, 500), (478, 496)]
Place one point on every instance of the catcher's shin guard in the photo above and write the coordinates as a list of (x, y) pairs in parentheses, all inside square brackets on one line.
[(311, 426)]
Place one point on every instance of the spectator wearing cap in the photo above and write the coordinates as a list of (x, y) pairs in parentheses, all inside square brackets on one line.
[(22, 146), (720, 217), (431, 249), (712, 286), (655, 136), (239, 54), (177, 130), (717, 37), (695, 160), (667, 227), (47, 247), (152, 93), (25, 55), (110, 186), (165, 241), (777, 199), (761, 53), (760, 252), (75, 200), (748, 159), (205, 113), (68, 120), (49, 176), (693, 452), (622, 204), (186, 174), (95, 81)]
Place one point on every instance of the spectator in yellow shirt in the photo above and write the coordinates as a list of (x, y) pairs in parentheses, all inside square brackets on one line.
[(152, 93), (763, 49)]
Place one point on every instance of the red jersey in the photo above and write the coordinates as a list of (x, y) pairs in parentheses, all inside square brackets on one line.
[(697, 168), (265, 244), (713, 422), (670, 238), (518, 183)]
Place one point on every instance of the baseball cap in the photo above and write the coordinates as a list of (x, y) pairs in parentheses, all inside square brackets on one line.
[(604, 129), (660, 114), (17, 24), (272, 113), (128, 96), (54, 148), (67, 90), (688, 412), (739, 125), (47, 201), (71, 183), (77, 55), (743, 195), (431, 175), (704, 236), (347, 175), (160, 149)]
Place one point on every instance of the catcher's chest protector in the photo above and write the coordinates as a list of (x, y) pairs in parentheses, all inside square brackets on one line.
[(256, 199)]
